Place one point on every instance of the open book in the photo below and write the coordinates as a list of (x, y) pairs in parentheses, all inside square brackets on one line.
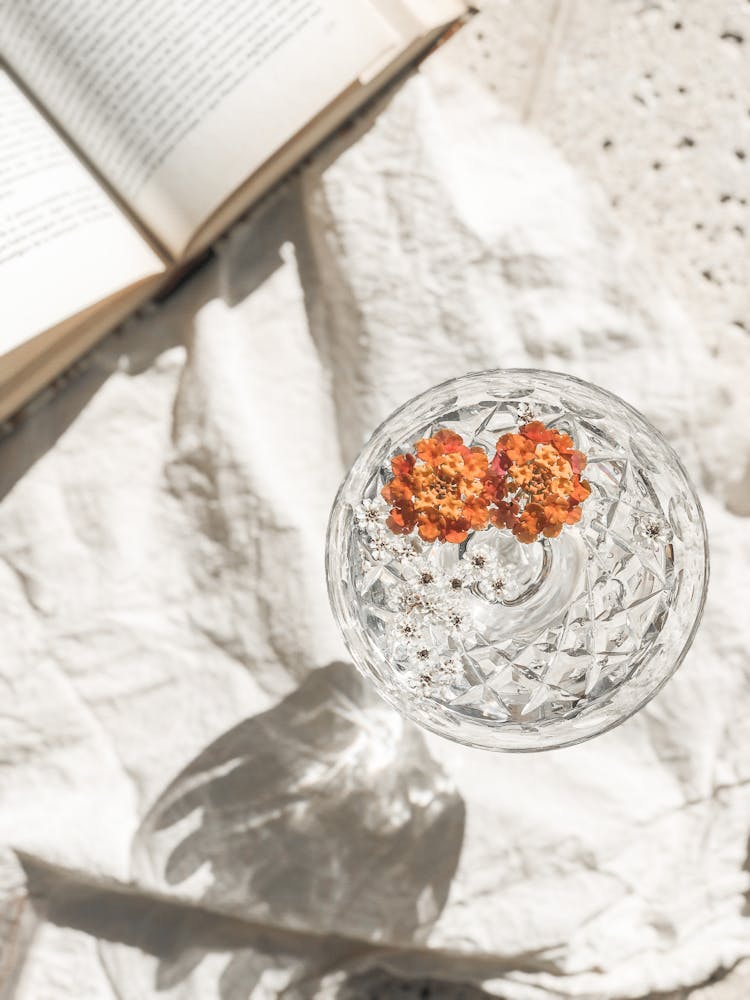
[(132, 133)]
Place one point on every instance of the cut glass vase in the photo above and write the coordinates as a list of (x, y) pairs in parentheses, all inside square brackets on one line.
[(517, 560)]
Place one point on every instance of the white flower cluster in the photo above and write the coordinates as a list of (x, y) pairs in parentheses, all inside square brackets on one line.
[(430, 591), (427, 631)]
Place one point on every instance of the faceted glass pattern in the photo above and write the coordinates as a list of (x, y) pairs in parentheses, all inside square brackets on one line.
[(511, 646)]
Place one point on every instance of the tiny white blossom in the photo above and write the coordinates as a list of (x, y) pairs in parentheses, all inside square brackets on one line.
[(404, 598), (432, 675), (423, 656), (425, 573), (449, 671), (480, 561), (434, 604), (403, 549), (457, 621), (371, 515), (407, 631), (652, 531), (380, 548), (420, 685), (499, 582), (458, 578)]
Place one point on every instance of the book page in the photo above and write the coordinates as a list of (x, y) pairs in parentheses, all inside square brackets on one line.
[(64, 245), (177, 103), (412, 17)]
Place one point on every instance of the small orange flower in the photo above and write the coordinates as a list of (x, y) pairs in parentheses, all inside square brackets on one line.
[(440, 491), (541, 470)]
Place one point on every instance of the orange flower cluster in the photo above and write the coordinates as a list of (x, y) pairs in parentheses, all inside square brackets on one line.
[(533, 486), (540, 472), (441, 491)]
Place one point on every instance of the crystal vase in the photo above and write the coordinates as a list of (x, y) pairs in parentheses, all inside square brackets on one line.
[(517, 560)]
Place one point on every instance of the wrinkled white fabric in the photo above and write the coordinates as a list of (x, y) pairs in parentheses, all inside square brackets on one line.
[(199, 798)]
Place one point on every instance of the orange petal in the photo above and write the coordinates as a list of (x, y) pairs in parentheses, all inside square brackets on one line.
[(563, 442), (396, 490), (537, 432), (573, 515), (504, 515), (500, 464), (475, 464), (428, 531), (493, 488), (449, 441), (577, 461), (449, 467), (397, 529), (477, 515), (503, 441), (429, 450), (523, 534), (551, 530), (533, 514), (518, 448), (581, 490), (402, 465), (456, 531), (402, 519)]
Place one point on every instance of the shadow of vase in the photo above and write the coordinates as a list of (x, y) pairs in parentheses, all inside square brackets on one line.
[(326, 813)]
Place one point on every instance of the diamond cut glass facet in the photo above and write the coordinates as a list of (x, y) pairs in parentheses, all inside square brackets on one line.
[(513, 646)]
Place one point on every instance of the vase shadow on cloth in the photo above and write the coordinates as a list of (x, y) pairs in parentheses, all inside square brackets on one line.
[(326, 813)]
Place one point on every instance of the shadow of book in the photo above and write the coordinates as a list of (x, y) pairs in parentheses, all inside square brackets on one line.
[(379, 984), (151, 946)]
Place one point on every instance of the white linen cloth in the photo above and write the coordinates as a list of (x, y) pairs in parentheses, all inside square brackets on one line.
[(199, 798)]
